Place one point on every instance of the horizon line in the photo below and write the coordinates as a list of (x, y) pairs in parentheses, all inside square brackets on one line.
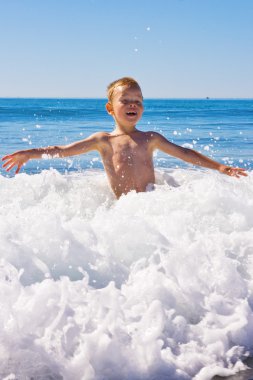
[(145, 98)]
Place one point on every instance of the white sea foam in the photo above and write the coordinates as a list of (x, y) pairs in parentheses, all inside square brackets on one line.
[(156, 285)]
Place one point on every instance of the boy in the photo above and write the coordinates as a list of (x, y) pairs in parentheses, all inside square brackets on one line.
[(126, 152)]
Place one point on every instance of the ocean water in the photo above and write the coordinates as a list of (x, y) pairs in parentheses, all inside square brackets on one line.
[(155, 285), (222, 129)]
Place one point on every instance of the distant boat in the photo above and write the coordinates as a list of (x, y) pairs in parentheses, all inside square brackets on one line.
[(207, 97)]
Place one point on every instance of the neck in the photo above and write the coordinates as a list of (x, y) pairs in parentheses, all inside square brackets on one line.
[(124, 130)]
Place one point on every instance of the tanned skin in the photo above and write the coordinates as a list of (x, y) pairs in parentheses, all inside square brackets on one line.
[(126, 152)]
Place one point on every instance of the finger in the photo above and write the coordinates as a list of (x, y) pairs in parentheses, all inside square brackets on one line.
[(10, 167), (18, 169), (5, 157), (7, 163), (241, 171), (238, 171)]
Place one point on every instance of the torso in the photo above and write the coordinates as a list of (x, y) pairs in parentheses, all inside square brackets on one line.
[(128, 162)]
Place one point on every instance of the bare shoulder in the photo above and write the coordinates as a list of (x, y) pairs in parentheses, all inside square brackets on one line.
[(154, 138), (101, 139), (152, 135), (99, 136), (158, 141)]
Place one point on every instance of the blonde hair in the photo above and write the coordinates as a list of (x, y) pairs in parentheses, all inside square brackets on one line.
[(125, 81)]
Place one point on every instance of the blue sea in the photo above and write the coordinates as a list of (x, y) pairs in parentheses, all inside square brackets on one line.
[(222, 129), (155, 285)]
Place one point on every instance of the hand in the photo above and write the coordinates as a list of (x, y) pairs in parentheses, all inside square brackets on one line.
[(16, 159), (233, 172)]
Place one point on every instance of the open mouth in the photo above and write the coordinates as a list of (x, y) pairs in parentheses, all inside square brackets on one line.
[(131, 113)]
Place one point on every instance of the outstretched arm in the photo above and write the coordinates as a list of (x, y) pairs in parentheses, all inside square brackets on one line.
[(21, 157), (193, 157)]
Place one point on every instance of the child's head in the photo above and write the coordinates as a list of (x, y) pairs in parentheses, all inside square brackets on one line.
[(125, 102), (125, 81)]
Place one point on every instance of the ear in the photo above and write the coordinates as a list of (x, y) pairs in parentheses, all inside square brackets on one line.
[(109, 108)]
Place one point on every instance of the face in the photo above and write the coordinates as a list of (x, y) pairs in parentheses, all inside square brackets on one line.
[(126, 106)]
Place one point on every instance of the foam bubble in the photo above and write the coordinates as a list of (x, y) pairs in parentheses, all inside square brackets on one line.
[(154, 285)]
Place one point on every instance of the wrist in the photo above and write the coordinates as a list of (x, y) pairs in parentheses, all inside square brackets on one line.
[(221, 168), (225, 169)]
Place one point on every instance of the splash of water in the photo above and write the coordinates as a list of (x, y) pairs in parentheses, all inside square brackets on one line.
[(154, 285)]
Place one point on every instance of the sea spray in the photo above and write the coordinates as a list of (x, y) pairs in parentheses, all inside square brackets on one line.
[(154, 285)]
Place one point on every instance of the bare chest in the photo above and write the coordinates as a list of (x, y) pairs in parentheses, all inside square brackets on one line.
[(128, 150)]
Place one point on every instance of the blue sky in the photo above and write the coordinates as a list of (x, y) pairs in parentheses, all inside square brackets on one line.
[(174, 48)]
